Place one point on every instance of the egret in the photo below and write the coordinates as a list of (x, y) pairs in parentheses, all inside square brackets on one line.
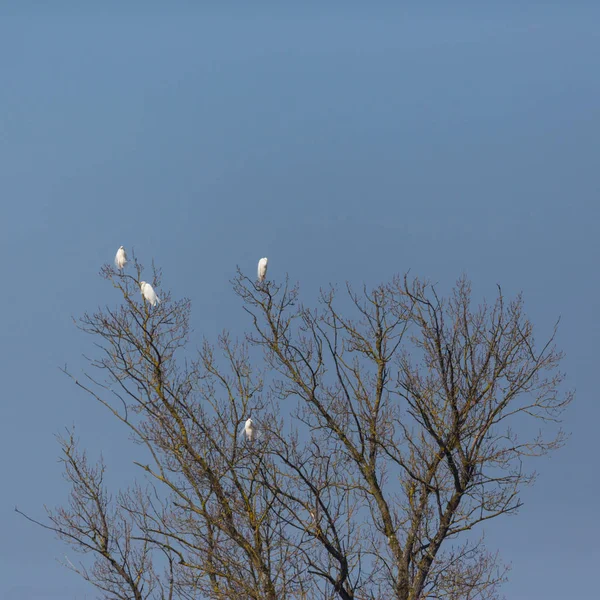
[(121, 258), (262, 268), (148, 293), (250, 430)]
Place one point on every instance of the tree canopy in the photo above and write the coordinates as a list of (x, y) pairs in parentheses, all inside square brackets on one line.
[(392, 423)]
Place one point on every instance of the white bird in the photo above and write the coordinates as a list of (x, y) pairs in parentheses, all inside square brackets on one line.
[(121, 258), (148, 293), (250, 430), (262, 268)]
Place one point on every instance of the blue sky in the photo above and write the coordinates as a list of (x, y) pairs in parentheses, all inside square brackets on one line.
[(344, 144)]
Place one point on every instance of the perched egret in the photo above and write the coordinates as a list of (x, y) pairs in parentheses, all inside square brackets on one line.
[(121, 258), (250, 430), (148, 293), (262, 268)]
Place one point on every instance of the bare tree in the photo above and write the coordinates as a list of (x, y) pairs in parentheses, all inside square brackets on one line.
[(387, 423)]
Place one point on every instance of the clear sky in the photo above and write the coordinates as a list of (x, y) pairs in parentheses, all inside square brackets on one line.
[(344, 143)]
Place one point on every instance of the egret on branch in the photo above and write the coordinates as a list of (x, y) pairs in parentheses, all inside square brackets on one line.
[(250, 431), (262, 268), (148, 293), (121, 258)]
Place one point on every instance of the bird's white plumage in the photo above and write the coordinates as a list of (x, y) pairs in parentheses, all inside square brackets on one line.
[(262, 268), (250, 430), (148, 293), (121, 258)]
